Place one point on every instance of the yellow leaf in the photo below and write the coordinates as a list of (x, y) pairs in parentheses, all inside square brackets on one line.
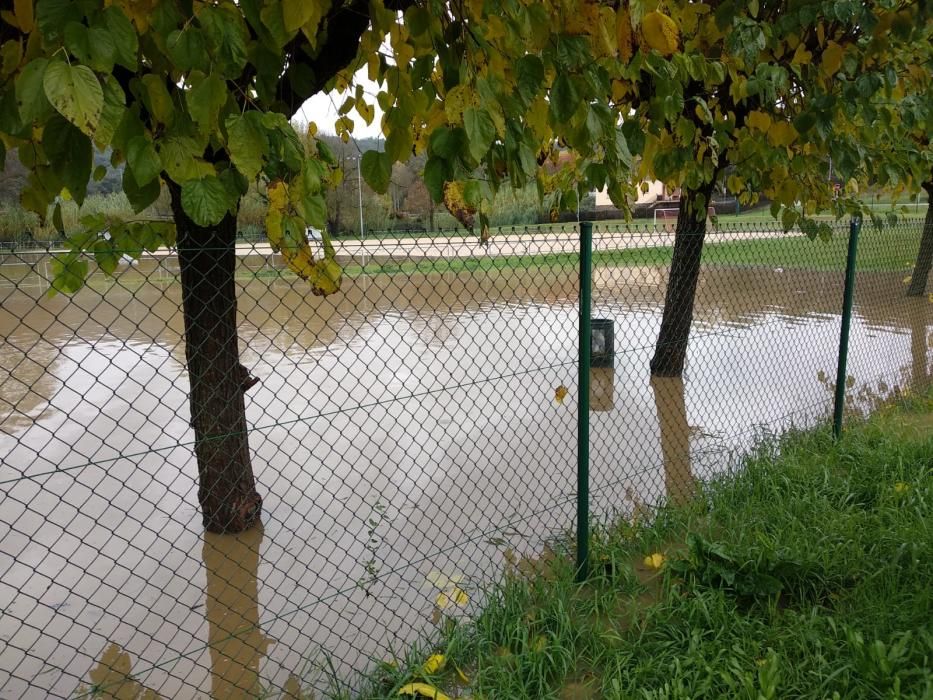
[(605, 26), (759, 120), (560, 393), (434, 663), (139, 12), (930, 297), (906, 280), (540, 643), (660, 32), (24, 14), (441, 580), (832, 59), (654, 561), (901, 487), (456, 101), (801, 56), (312, 129), (461, 675), (422, 690), (365, 110), (372, 66), (782, 133)]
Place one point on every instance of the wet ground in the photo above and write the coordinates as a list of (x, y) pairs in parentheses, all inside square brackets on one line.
[(405, 434)]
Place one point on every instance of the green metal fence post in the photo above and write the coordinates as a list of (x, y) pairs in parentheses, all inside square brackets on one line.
[(840, 399), (583, 401)]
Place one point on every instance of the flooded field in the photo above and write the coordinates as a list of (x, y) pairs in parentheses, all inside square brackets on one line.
[(404, 435)]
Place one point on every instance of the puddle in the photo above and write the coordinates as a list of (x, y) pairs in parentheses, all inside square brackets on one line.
[(404, 428)]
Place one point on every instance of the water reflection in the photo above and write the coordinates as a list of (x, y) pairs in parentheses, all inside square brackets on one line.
[(236, 641), (602, 388), (671, 410), (112, 678), (920, 343)]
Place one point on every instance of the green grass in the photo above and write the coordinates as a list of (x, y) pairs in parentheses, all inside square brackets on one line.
[(806, 575), (886, 249)]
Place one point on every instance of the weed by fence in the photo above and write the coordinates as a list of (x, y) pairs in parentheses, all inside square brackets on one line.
[(409, 435)]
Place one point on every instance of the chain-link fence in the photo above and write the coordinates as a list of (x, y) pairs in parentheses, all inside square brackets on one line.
[(408, 435)]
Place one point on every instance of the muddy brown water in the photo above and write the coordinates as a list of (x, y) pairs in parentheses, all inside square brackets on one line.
[(404, 435)]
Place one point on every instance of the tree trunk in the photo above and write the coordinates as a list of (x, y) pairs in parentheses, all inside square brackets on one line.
[(207, 260), (671, 349), (918, 281)]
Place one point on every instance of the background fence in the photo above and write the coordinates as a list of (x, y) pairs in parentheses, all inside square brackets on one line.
[(409, 435)]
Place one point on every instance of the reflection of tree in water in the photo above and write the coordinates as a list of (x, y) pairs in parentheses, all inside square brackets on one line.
[(675, 437), (867, 396), (112, 678), (236, 641), (30, 382)]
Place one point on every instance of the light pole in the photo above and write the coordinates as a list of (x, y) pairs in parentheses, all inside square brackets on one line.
[(359, 184)]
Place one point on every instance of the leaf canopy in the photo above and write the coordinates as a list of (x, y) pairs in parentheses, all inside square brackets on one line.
[(690, 93)]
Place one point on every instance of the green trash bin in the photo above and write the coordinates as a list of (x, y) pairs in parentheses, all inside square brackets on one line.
[(602, 343)]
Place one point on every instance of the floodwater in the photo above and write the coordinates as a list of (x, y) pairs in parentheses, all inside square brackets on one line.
[(404, 435)]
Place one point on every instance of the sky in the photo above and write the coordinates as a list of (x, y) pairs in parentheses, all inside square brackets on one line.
[(322, 110)]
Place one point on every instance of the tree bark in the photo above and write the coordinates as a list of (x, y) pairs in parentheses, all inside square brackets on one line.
[(918, 281), (671, 349), (207, 260)]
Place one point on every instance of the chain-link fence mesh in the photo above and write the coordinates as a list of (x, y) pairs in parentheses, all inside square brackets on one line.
[(407, 435)]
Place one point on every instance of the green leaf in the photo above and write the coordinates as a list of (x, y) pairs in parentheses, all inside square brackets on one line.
[(206, 201), (226, 36), (100, 172), (327, 155), (68, 273), (76, 93), (205, 100), (112, 113), (377, 170), (125, 41), (480, 131), (187, 48), (529, 74), (295, 13), (71, 155), (564, 99), (57, 218), (446, 142), (11, 53), (31, 101), (157, 99), (273, 23), (93, 46), (418, 20), (435, 175), (52, 16), (804, 122), (314, 210), (77, 41), (143, 160), (180, 157), (106, 256), (246, 142)]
